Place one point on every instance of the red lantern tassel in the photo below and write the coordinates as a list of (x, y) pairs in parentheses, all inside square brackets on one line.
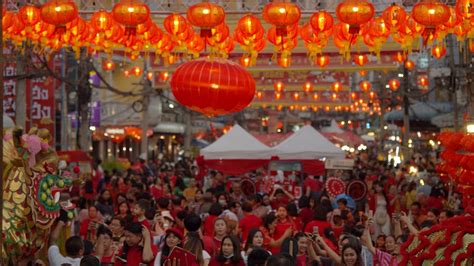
[(206, 33), (130, 31)]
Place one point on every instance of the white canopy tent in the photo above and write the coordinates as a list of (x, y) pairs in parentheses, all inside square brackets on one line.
[(237, 144), (307, 144), (333, 128)]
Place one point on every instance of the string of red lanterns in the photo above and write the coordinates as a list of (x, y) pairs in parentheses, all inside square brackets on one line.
[(56, 24)]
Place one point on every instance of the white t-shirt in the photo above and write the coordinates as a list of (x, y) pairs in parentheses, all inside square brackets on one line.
[(57, 259)]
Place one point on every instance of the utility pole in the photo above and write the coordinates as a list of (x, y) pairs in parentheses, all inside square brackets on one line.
[(406, 107), (147, 90), (452, 82)]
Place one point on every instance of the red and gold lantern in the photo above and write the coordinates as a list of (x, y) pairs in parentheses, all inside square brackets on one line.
[(281, 15), (438, 51), (394, 16), (206, 16), (164, 76), (59, 13), (394, 84), (336, 86), (322, 60), (202, 86), (279, 86), (131, 13), (355, 13), (365, 86), (30, 15), (175, 24), (249, 25), (321, 21), (101, 21), (360, 59), (284, 61), (409, 64), (423, 81), (308, 87), (465, 8), (399, 57), (108, 65), (431, 13)]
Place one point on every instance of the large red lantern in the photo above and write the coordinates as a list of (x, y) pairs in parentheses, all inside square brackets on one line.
[(355, 13), (430, 13), (175, 24), (321, 21), (281, 15), (59, 13), (399, 57), (394, 84), (438, 51), (206, 16), (131, 13), (205, 86)]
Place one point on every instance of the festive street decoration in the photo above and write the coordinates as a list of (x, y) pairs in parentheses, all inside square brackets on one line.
[(355, 13), (131, 13), (203, 85), (281, 15), (365, 86), (394, 84), (206, 16)]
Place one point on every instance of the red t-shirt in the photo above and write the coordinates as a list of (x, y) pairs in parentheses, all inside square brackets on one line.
[(279, 202), (134, 256), (209, 225), (282, 226), (209, 245), (248, 222), (156, 192), (306, 215), (320, 224), (215, 262)]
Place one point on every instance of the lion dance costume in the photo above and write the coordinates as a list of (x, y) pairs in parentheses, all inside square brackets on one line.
[(31, 193)]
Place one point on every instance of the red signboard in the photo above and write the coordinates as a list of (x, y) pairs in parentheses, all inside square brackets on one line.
[(40, 106)]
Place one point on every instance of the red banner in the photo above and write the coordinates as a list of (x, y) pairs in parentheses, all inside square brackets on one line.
[(40, 105)]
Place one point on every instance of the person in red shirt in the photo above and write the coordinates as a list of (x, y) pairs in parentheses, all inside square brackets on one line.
[(268, 229), (320, 221), (214, 212), (89, 226), (306, 206), (280, 197), (138, 248), (157, 189), (249, 221), (229, 254), (311, 184), (284, 222), (139, 211)]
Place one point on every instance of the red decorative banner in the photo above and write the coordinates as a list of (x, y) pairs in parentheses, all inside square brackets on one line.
[(41, 105)]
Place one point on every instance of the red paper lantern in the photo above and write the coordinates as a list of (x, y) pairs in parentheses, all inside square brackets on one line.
[(362, 73), (431, 13), (399, 57), (394, 16), (454, 18), (59, 13), (307, 87), (249, 25), (281, 15), (30, 15), (315, 96), (336, 86), (438, 51), (355, 13), (131, 13), (164, 75), (423, 81), (321, 21), (279, 86), (175, 24), (204, 86), (365, 86), (284, 62), (296, 96), (394, 84), (361, 59), (322, 61), (409, 64), (108, 65), (259, 95), (465, 8), (101, 21), (245, 60), (277, 95), (206, 16)]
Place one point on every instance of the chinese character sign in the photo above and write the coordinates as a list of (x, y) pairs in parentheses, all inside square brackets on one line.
[(9, 90), (41, 103)]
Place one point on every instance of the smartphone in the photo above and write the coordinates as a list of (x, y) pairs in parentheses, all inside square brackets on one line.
[(315, 230)]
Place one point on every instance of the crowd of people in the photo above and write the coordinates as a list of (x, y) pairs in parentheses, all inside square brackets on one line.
[(139, 217)]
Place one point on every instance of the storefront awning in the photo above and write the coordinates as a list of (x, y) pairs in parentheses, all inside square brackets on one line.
[(169, 127)]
